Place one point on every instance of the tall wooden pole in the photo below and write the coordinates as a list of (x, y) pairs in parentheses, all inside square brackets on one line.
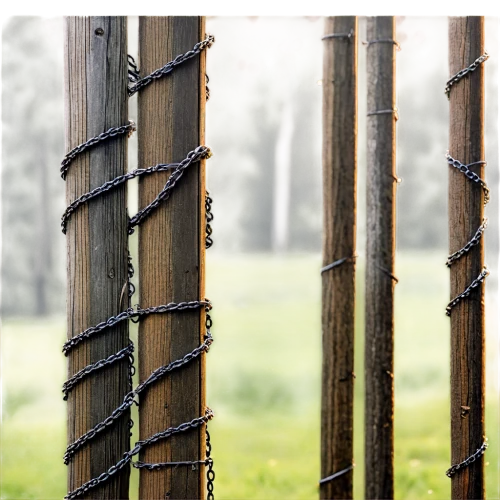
[(380, 249), (339, 242), (96, 100), (171, 253), (465, 212)]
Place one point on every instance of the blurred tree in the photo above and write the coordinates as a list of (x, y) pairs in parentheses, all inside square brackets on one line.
[(32, 191), (306, 191)]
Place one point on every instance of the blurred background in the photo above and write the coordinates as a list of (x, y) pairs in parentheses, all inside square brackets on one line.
[(263, 271)]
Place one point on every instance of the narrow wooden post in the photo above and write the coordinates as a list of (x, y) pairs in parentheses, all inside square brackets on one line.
[(171, 253), (339, 246), (465, 212), (96, 100), (380, 249)]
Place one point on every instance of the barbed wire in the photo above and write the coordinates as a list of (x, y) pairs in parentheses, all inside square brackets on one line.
[(201, 152)]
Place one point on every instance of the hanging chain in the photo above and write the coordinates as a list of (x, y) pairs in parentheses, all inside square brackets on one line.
[(210, 469), (209, 217), (202, 152)]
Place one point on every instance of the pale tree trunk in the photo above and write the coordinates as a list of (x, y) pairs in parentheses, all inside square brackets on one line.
[(283, 166)]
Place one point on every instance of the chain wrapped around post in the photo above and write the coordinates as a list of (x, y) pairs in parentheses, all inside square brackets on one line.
[(201, 152), (475, 240)]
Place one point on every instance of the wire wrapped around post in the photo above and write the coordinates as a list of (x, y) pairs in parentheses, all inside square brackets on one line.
[(101, 330), (467, 196), (380, 279), (339, 255)]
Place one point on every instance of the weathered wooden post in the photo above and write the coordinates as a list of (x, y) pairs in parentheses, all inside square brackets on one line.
[(467, 196), (172, 254), (339, 247), (95, 101), (380, 249)]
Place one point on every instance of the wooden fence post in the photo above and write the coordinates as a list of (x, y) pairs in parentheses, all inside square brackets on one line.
[(380, 249), (339, 246), (97, 242), (465, 212), (171, 253)]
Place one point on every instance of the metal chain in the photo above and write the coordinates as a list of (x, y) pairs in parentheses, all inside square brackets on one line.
[(470, 174), (458, 76), (209, 217), (127, 456), (161, 465), (165, 70), (475, 283), (210, 470), (112, 132), (84, 198), (477, 454), (130, 314), (201, 152), (474, 241), (84, 372), (133, 70), (129, 398)]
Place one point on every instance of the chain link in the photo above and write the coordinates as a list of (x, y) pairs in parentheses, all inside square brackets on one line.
[(477, 454), (475, 283), (198, 154), (132, 313), (474, 241), (165, 70), (84, 372), (470, 174), (112, 132), (117, 181), (457, 77), (210, 470), (209, 217)]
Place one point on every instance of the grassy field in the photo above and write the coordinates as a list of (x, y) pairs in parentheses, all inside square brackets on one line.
[(264, 385)]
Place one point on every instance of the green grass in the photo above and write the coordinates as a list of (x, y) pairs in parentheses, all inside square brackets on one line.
[(263, 384)]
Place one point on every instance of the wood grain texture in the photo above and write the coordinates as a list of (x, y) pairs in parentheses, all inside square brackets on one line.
[(380, 249), (465, 212), (339, 241), (95, 100), (171, 253)]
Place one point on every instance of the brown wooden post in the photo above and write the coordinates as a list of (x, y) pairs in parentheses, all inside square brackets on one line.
[(465, 212), (171, 253), (96, 100), (380, 249), (339, 242)]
